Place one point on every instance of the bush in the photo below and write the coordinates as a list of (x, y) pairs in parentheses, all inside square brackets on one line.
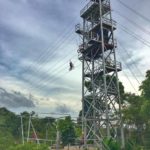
[(29, 146), (6, 139), (112, 144), (130, 145)]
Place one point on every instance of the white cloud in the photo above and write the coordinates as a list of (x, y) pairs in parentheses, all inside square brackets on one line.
[(29, 27)]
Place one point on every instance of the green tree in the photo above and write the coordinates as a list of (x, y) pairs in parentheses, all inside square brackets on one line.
[(6, 139), (67, 130), (145, 86), (133, 118), (136, 113)]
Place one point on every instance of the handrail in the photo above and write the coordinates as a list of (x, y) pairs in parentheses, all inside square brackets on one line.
[(106, 21), (104, 3), (109, 21), (86, 7), (111, 63), (78, 27)]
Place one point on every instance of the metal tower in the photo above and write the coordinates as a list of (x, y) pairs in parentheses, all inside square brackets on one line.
[(101, 115)]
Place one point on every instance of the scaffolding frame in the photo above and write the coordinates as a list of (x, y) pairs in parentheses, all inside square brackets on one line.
[(101, 106)]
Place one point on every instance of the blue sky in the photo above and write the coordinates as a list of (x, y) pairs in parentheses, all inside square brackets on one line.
[(37, 41)]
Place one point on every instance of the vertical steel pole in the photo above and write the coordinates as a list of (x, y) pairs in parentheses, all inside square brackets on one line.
[(29, 126), (118, 88), (104, 68), (84, 126), (22, 129)]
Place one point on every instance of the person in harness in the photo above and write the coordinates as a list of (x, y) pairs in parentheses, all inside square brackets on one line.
[(71, 66)]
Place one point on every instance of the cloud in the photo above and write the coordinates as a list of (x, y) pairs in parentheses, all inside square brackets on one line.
[(37, 41), (14, 100), (63, 109), (25, 35)]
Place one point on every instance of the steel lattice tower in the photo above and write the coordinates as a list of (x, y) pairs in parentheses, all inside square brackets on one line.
[(101, 107)]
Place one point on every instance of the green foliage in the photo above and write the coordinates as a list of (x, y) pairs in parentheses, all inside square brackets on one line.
[(78, 131), (145, 110), (29, 146), (112, 144), (66, 127), (131, 145), (6, 139), (10, 128), (131, 113), (145, 87), (136, 114)]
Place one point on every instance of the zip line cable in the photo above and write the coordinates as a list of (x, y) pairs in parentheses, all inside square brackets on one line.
[(55, 69), (81, 2), (43, 56), (57, 77), (123, 60), (60, 46), (76, 67), (132, 22), (129, 68), (40, 67), (56, 42), (130, 82), (137, 37), (50, 53), (51, 50), (54, 79), (134, 11), (132, 85), (129, 56)]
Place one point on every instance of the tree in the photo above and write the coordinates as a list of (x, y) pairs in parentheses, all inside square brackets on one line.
[(132, 109), (145, 87), (136, 113), (67, 130), (6, 139), (145, 93), (132, 117)]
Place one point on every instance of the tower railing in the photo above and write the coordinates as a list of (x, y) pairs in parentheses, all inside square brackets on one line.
[(87, 7), (93, 3), (79, 29), (105, 21), (109, 64)]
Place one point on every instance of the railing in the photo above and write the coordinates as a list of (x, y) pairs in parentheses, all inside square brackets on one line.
[(111, 63), (106, 21), (83, 46), (109, 22), (86, 7), (113, 42), (105, 3), (78, 27)]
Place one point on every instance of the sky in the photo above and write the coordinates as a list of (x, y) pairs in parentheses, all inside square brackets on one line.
[(37, 41)]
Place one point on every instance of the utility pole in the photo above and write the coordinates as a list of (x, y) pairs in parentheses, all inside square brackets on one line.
[(22, 129), (29, 126), (101, 106)]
